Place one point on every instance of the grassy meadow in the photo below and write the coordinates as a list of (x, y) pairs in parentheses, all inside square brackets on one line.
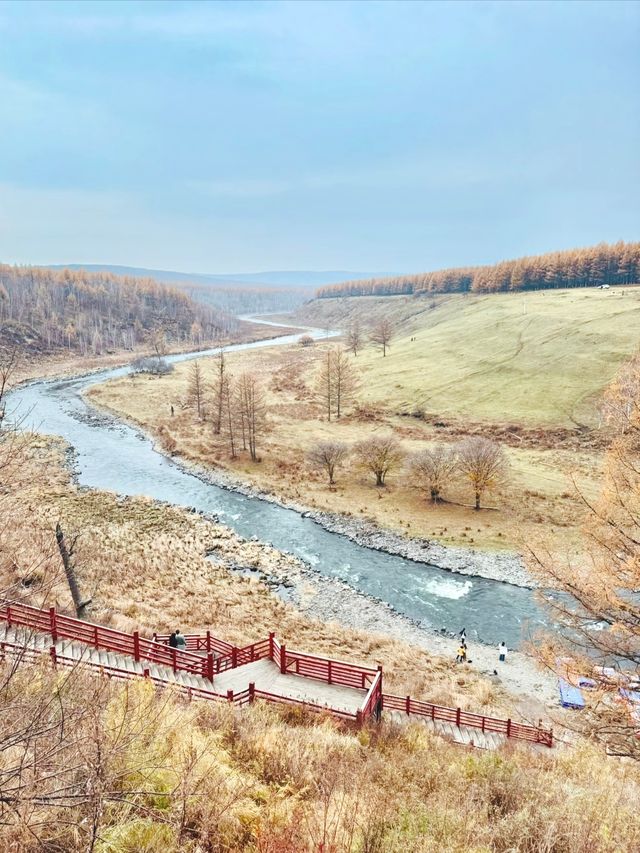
[(540, 358), (469, 365)]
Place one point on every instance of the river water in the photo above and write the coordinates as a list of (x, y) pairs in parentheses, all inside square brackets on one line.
[(111, 455)]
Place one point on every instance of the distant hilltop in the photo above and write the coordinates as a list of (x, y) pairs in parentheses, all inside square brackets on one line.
[(271, 278)]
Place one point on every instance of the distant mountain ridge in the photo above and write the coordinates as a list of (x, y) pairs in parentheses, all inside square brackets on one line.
[(271, 278)]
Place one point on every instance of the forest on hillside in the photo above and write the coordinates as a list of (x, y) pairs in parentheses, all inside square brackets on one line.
[(248, 300), (602, 264), (45, 310)]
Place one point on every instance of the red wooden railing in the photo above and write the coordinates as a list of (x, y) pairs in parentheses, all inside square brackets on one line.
[(66, 628), (465, 718), (221, 656), (322, 669), (199, 643), (372, 705)]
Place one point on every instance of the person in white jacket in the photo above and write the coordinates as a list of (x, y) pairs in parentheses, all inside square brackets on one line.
[(502, 652)]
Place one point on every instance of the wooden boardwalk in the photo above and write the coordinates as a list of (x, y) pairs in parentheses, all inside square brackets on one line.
[(264, 670), (464, 735), (266, 676)]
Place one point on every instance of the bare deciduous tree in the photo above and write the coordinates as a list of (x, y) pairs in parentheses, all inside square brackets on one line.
[(305, 341), (324, 384), (67, 553), (483, 463), (345, 380), (382, 334), (328, 455), (9, 361), (220, 391), (354, 340), (195, 388), (158, 340), (252, 410), (432, 469), (337, 382), (379, 454)]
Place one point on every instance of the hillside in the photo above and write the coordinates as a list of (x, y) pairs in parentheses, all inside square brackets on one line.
[(237, 293), (43, 312), (538, 358)]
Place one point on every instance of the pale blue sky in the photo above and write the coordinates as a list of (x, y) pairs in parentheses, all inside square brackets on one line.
[(241, 136)]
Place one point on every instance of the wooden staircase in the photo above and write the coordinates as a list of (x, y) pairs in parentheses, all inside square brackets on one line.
[(214, 670)]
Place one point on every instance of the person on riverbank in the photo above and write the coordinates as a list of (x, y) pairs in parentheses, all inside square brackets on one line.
[(181, 643), (502, 652), (172, 640), (461, 657)]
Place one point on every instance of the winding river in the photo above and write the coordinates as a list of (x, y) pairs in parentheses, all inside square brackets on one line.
[(114, 456)]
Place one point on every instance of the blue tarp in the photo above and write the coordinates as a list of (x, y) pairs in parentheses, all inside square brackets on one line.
[(630, 695), (570, 696)]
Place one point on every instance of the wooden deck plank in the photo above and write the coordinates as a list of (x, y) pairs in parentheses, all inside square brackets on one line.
[(266, 676)]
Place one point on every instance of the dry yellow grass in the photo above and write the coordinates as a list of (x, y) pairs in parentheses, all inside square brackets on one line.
[(145, 567), (178, 777), (162, 776), (538, 501)]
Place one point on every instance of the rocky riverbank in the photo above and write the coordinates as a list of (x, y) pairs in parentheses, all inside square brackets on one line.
[(506, 567), (331, 600)]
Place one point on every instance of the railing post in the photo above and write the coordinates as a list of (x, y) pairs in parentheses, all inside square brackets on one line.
[(407, 704), (174, 659), (208, 641), (283, 659), (458, 717), (96, 637), (359, 719), (229, 695), (52, 622), (380, 681), (483, 719), (509, 728), (234, 657), (329, 673), (136, 645), (433, 712), (271, 639), (252, 691), (54, 656), (9, 615), (210, 666), (145, 673)]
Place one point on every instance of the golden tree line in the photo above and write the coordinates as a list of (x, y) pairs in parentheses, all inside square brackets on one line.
[(617, 263), (91, 312)]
